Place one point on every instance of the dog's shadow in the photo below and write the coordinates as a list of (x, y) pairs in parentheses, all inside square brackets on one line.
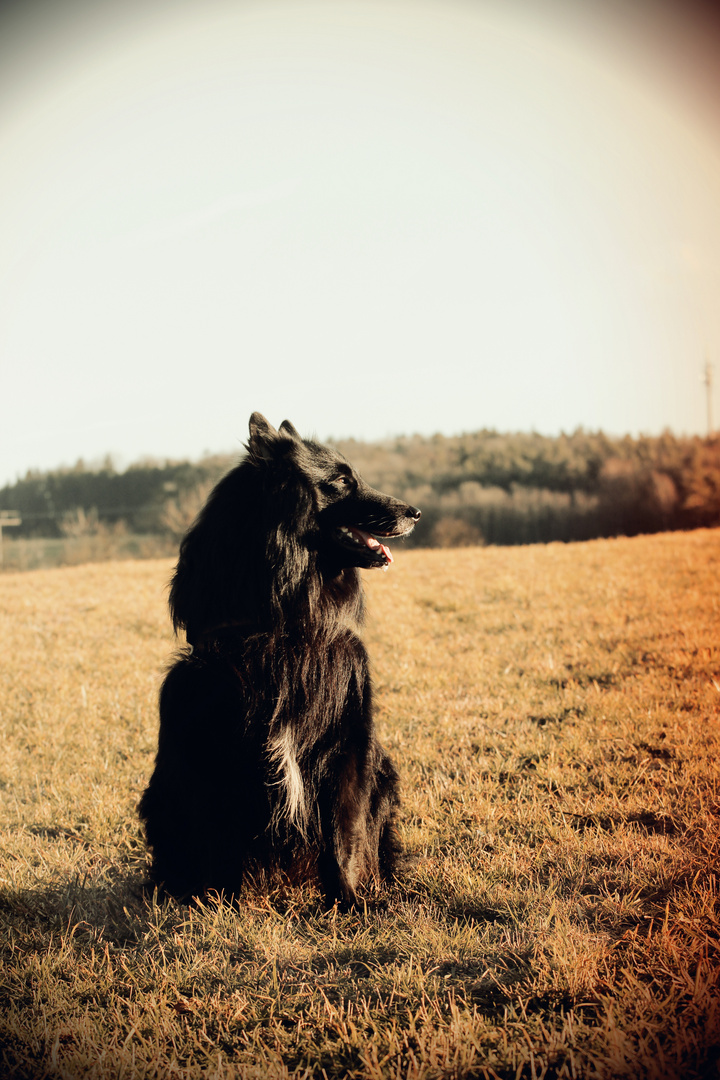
[(112, 901), (121, 908), (115, 910)]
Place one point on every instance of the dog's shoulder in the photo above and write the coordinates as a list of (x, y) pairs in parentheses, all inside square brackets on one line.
[(204, 685)]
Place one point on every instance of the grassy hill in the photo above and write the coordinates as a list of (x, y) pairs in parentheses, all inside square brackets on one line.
[(554, 712)]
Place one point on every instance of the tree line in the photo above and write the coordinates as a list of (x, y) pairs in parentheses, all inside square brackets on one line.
[(478, 487)]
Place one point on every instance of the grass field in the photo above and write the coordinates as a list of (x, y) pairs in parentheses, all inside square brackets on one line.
[(554, 713)]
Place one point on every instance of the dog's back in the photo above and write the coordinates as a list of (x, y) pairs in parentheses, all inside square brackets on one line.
[(267, 756)]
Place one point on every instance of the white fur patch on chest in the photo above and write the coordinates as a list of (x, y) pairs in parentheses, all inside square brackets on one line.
[(284, 757)]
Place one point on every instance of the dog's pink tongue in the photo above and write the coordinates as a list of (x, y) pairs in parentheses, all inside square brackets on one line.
[(387, 553), (369, 540)]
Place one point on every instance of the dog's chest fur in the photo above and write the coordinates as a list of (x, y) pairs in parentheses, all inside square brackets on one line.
[(293, 805)]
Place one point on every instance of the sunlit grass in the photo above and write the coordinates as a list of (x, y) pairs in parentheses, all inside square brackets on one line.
[(554, 713)]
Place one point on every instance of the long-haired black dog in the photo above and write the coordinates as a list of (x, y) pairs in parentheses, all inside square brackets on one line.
[(267, 757)]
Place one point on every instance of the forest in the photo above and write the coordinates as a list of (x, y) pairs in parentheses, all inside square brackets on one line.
[(482, 487)]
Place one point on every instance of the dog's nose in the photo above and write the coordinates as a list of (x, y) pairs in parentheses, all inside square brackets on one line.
[(414, 513)]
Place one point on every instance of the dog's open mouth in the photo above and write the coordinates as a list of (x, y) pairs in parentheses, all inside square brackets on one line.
[(354, 537)]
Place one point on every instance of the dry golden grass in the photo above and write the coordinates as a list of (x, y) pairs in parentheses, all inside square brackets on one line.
[(554, 712)]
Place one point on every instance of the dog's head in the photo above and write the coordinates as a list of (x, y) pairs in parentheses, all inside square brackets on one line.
[(290, 519), (339, 515)]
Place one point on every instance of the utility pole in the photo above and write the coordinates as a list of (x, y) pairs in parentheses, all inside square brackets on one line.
[(708, 390), (7, 517)]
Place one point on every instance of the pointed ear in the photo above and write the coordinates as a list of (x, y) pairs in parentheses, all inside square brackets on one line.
[(262, 437), (260, 428), (286, 428)]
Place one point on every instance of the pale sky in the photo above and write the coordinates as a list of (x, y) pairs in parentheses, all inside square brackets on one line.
[(370, 216)]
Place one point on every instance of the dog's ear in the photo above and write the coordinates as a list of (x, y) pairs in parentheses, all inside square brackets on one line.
[(260, 428), (286, 428), (262, 436)]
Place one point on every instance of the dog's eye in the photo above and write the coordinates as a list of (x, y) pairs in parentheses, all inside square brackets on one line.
[(344, 480)]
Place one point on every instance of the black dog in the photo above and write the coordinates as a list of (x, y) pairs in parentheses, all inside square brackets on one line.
[(267, 757)]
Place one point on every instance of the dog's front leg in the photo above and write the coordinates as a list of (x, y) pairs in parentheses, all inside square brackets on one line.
[(341, 822), (336, 880)]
